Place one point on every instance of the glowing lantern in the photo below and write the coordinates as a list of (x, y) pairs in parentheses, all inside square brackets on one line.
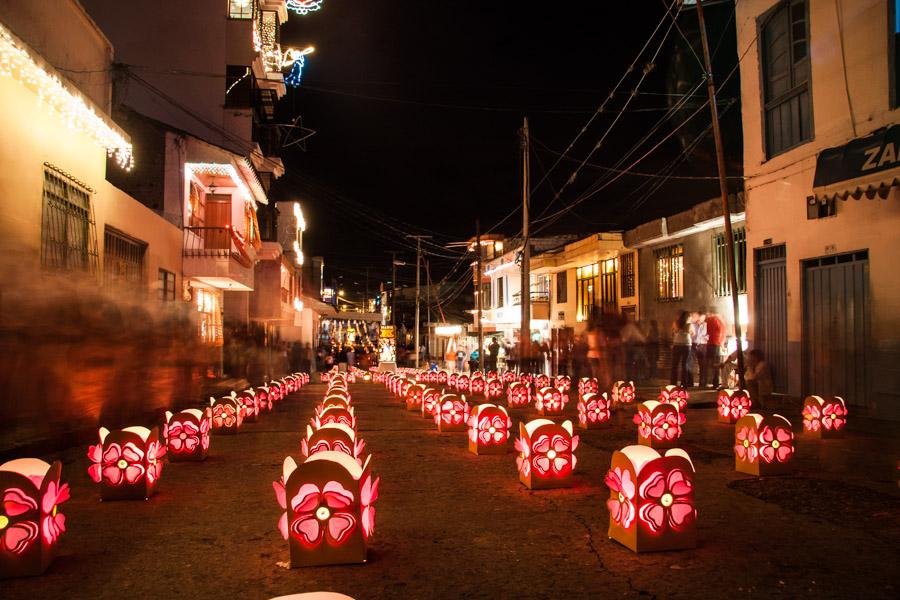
[(414, 397), (488, 429), (462, 384), (763, 445), (325, 377), (30, 521), (451, 380), (732, 405), (334, 414), (493, 389), (403, 387), (452, 413), (226, 415), (378, 377), (593, 411), (475, 374), (518, 395), (508, 377), (623, 392), (674, 394), (249, 408), (546, 456), (431, 397), (277, 392), (422, 377), (187, 434), (329, 514), (563, 383), (526, 379), (442, 377), (550, 401), (492, 375), (824, 418), (477, 385), (339, 401), (588, 385), (541, 381), (651, 499), (334, 437), (127, 463), (433, 376), (659, 424), (263, 398)]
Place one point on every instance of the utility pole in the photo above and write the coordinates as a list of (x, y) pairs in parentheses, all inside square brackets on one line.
[(478, 291), (393, 254), (723, 187), (418, 239), (525, 294), (427, 308)]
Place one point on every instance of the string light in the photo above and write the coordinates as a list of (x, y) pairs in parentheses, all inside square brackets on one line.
[(304, 7), (17, 62), (219, 170), (296, 59)]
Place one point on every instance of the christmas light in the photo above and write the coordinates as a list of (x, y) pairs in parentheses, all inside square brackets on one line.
[(219, 170), (17, 62), (304, 7)]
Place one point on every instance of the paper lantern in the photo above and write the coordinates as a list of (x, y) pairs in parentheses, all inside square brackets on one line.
[(263, 398), (249, 407), (414, 397), (325, 377), (593, 411), (674, 394), (403, 387), (378, 377), (421, 377), (541, 381), (659, 424), (187, 434), (494, 389), (763, 445), (550, 401), (277, 392), (488, 429), (824, 418), (227, 416), (452, 413), (442, 377), (462, 384), (477, 385), (431, 397), (732, 405), (333, 437), (623, 392), (451, 380), (338, 391), (546, 454), (334, 414), (508, 377), (329, 514), (474, 374), (651, 499), (526, 379), (30, 521), (127, 463), (518, 395), (588, 385), (563, 383), (339, 401)]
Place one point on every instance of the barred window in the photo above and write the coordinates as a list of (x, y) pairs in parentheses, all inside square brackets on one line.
[(627, 275), (68, 233), (562, 285), (721, 286), (123, 258), (166, 286), (586, 290), (670, 273), (240, 9)]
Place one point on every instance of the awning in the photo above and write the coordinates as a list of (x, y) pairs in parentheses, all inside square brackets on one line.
[(867, 166)]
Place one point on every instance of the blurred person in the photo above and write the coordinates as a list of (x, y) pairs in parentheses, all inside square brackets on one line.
[(351, 357), (652, 349), (699, 341), (633, 341), (715, 334), (473, 360), (681, 348), (493, 353), (460, 361), (579, 357), (758, 377)]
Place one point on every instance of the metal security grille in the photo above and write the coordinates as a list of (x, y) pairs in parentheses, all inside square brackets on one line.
[(627, 274), (721, 287), (670, 273), (123, 258), (68, 233), (166, 281)]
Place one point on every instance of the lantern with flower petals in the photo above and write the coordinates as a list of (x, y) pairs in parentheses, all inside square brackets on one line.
[(623, 392), (508, 377), (249, 407), (546, 454), (187, 434), (651, 499), (659, 424), (550, 401), (452, 413), (563, 383), (329, 513), (414, 395), (674, 394), (430, 399), (588, 385), (333, 437), (451, 380), (518, 395), (442, 377), (763, 445), (541, 381), (331, 400), (227, 416), (493, 389), (488, 429), (732, 405), (824, 418), (127, 463), (593, 411), (30, 520), (477, 385), (526, 378), (334, 414), (462, 384)]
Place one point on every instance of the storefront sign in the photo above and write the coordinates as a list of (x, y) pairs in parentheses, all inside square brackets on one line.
[(859, 157)]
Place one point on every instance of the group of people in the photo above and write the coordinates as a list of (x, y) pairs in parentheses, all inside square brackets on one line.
[(347, 356), (697, 340)]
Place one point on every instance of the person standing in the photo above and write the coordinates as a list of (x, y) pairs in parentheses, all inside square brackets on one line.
[(699, 341), (460, 361), (633, 341), (681, 348), (715, 337), (493, 353)]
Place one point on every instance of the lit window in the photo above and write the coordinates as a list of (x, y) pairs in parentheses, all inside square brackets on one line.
[(209, 316), (721, 286), (585, 288), (123, 258), (627, 275), (68, 234), (670, 273), (240, 9)]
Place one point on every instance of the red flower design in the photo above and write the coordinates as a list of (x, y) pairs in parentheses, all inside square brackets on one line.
[(490, 430), (367, 497), (746, 446), (776, 444), (183, 436), (554, 454), (811, 417), (593, 410), (834, 415), (453, 412), (117, 463), (621, 508), (17, 535), (322, 514), (667, 500), (224, 415), (666, 425), (523, 460), (644, 421), (53, 522)]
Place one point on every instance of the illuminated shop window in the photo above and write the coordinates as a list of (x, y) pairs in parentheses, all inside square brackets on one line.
[(670, 273), (585, 287)]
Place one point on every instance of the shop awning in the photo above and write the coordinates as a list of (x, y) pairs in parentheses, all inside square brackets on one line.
[(868, 166)]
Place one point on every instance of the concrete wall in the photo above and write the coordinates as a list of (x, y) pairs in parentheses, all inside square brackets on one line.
[(777, 188)]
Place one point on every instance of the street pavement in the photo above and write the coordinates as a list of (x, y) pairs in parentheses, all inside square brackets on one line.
[(454, 525)]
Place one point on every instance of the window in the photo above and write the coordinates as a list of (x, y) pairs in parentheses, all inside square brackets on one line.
[(819, 208), (585, 286), (627, 275), (166, 285), (562, 287), (786, 78), (209, 312), (500, 296), (238, 86), (540, 288), (240, 9), (721, 286), (123, 258), (670, 273), (68, 234), (608, 274)]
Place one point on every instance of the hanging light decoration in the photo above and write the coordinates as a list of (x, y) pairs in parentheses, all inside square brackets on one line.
[(304, 7), (295, 59)]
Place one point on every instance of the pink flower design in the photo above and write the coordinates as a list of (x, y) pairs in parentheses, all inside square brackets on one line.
[(367, 497), (523, 461), (746, 446), (542, 381), (117, 463), (644, 421), (17, 535), (224, 415), (666, 425), (453, 412), (776, 444), (155, 453), (53, 522), (183, 436), (490, 430), (554, 454), (322, 514), (621, 508), (563, 383), (667, 500), (204, 432), (592, 411), (811, 417), (833, 415)]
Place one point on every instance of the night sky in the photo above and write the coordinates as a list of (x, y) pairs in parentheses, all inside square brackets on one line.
[(418, 104)]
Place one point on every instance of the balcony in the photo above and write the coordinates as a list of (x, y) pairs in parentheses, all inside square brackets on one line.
[(220, 257)]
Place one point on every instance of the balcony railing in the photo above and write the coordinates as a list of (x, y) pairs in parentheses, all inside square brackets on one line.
[(216, 242)]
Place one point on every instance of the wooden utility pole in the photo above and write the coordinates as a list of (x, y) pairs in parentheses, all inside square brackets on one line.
[(478, 291), (418, 239), (427, 309), (525, 293), (723, 188), (393, 254)]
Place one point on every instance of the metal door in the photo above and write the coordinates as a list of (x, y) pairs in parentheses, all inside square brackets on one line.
[(836, 326), (770, 310)]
